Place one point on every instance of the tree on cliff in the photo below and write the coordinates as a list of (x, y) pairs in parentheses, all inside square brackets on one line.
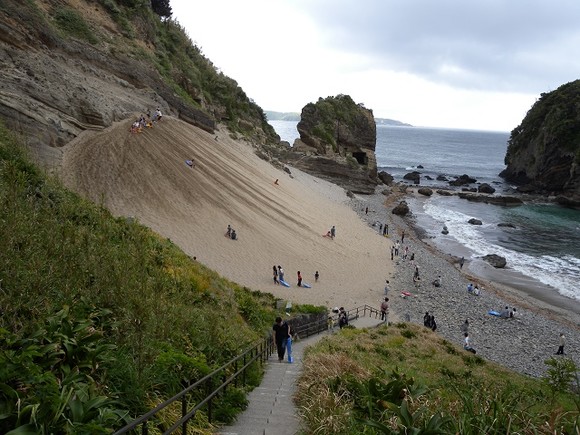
[(161, 8)]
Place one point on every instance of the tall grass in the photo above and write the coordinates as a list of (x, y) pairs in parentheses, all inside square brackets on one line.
[(405, 379)]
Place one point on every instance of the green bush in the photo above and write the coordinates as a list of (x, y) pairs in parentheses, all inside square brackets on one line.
[(72, 23)]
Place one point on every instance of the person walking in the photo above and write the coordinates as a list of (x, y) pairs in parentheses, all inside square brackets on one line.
[(562, 342), (461, 262), (275, 272), (280, 337), (299, 279), (403, 237), (385, 310), (333, 232), (316, 276)]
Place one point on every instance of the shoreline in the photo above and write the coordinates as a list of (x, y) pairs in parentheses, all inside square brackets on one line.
[(521, 344)]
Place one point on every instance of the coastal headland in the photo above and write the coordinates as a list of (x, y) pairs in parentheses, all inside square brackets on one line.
[(145, 176)]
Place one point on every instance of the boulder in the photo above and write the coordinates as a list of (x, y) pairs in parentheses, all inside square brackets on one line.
[(445, 230), (414, 176), (469, 189), (462, 180), (425, 191), (443, 192), (442, 177), (495, 260), (402, 209), (485, 188), (385, 177), (474, 221), (505, 225)]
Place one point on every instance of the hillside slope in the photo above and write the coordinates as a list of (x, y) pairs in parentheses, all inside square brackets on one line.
[(144, 175)]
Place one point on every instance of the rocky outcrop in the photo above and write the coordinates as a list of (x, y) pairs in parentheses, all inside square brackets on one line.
[(414, 176), (462, 180), (485, 188), (544, 150), (337, 143), (386, 178)]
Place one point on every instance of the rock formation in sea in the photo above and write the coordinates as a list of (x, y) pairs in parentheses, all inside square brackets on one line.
[(337, 142), (543, 152)]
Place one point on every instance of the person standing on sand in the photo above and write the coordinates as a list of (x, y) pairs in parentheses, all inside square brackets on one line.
[(367, 210), (280, 273), (465, 327), (403, 237), (561, 342), (385, 229), (392, 252), (316, 276), (275, 271), (466, 344), (385, 310), (461, 262), (299, 279), (281, 334), (332, 232)]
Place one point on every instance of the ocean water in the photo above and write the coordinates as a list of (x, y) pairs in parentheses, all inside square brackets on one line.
[(543, 241)]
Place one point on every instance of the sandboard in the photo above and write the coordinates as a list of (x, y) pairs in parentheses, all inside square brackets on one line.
[(493, 313), (406, 294), (284, 283), (289, 349), (306, 285)]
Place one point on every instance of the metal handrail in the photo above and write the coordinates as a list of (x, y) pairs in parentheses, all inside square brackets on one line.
[(260, 351)]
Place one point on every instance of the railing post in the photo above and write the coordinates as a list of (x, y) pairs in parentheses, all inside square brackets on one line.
[(235, 371), (244, 372), (209, 391), (183, 412), (145, 429)]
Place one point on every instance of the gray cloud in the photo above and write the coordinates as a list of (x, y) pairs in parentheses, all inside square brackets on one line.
[(524, 46)]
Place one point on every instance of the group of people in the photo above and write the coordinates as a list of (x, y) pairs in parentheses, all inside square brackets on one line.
[(473, 289), (278, 273), (331, 232), (231, 233), (143, 121), (429, 321)]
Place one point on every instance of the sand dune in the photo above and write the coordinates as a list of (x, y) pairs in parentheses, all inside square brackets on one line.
[(144, 175)]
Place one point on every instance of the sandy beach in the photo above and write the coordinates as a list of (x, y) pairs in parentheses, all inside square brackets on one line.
[(145, 176)]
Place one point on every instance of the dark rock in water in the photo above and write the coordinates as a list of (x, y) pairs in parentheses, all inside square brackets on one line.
[(402, 209), (568, 202), (414, 176), (485, 188), (445, 231), (468, 189), (429, 177), (526, 188), (474, 221), (386, 192), (444, 192), (420, 167), (385, 177), (495, 260), (442, 177), (349, 194), (506, 225), (425, 191), (496, 200), (462, 180), (287, 169)]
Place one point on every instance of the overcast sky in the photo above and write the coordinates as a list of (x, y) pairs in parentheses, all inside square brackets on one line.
[(433, 63)]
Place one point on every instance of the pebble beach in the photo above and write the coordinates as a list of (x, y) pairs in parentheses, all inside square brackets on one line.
[(521, 343)]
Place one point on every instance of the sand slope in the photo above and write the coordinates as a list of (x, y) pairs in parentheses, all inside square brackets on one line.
[(144, 175)]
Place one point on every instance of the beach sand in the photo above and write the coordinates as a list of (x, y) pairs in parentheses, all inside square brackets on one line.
[(145, 176)]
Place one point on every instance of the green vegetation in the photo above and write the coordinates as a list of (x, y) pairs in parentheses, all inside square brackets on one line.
[(554, 119), (404, 379), (102, 319), (72, 23), (331, 114)]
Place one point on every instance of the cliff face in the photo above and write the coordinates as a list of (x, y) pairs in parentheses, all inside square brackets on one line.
[(544, 150), (73, 65), (337, 142)]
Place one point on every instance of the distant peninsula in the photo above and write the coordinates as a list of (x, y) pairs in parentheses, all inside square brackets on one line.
[(295, 116)]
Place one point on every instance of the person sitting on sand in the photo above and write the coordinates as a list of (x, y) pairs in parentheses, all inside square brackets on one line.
[(234, 236), (505, 314), (190, 163), (157, 115), (469, 288)]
